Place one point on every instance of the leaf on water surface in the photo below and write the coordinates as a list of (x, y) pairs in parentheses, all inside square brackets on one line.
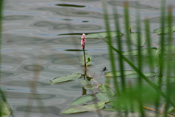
[(65, 78), (118, 73), (4, 108), (106, 89), (83, 99), (88, 60), (167, 51), (105, 97), (86, 84), (171, 109), (166, 30), (144, 52), (135, 38), (85, 108), (164, 80), (129, 74), (102, 34)]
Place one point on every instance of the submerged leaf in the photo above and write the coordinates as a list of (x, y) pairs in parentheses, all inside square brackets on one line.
[(4, 109), (88, 60), (102, 34), (66, 78), (129, 74), (135, 38), (166, 30), (106, 89), (85, 108), (83, 99), (144, 52)]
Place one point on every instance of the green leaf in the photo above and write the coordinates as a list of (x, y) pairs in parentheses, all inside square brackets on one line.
[(85, 108), (4, 109), (167, 51), (166, 30), (86, 84), (66, 78), (102, 34), (106, 89), (88, 60), (105, 97), (130, 97), (118, 73), (83, 99), (171, 109), (147, 74), (134, 38), (144, 52), (129, 74)]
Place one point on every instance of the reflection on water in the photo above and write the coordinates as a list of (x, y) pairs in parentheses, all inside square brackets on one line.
[(70, 5), (44, 36), (49, 109), (133, 4), (17, 17), (16, 95), (34, 67)]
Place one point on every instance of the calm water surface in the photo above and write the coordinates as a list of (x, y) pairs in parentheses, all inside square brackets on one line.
[(34, 49)]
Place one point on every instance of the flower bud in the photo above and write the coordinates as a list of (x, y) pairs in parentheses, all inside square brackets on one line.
[(83, 41)]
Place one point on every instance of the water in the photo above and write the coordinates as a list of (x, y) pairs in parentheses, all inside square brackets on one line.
[(35, 39)]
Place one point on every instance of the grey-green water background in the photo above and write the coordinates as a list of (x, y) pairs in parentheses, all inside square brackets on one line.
[(34, 47)]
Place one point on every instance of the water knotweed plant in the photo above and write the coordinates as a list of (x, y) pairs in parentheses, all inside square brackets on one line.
[(134, 90)]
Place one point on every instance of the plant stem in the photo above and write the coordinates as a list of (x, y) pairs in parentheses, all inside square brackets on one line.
[(85, 71), (85, 66)]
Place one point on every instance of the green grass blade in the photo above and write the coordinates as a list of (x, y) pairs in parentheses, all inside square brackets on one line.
[(111, 55), (139, 72), (148, 37), (168, 69), (119, 45), (127, 27), (139, 60), (161, 56), (1, 92)]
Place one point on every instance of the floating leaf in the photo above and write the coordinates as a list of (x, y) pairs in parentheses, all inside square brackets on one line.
[(171, 109), (102, 34), (85, 108), (105, 97), (66, 78), (106, 89), (166, 30), (135, 38), (147, 74), (4, 108), (83, 99), (168, 50), (144, 52), (86, 84), (129, 74), (88, 60), (164, 80), (118, 73)]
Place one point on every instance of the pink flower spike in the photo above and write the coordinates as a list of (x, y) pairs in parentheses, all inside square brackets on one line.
[(83, 41)]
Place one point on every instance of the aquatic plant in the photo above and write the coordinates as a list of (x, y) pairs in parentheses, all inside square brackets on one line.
[(134, 90)]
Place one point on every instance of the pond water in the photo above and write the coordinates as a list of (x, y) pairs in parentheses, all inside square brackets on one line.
[(34, 49)]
